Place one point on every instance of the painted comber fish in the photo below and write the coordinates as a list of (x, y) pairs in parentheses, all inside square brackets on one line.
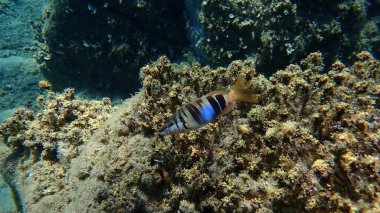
[(207, 108)]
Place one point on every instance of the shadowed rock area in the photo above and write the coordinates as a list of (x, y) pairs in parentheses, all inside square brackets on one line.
[(102, 44)]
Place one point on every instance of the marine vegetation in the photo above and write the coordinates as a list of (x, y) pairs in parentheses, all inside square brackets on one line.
[(103, 44), (310, 143), (275, 33)]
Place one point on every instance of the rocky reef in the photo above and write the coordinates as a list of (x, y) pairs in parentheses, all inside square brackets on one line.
[(102, 44), (276, 33), (310, 144), (46, 143)]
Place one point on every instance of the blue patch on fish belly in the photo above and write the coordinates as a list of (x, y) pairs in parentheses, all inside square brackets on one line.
[(207, 114)]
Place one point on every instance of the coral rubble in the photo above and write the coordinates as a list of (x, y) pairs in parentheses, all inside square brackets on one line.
[(312, 143)]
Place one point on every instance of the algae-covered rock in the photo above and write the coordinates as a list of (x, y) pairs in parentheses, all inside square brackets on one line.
[(310, 144), (42, 133), (102, 44), (276, 33), (46, 142)]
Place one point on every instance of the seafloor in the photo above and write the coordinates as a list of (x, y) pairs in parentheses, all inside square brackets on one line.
[(309, 144)]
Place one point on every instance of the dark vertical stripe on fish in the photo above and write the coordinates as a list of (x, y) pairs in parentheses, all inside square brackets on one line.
[(199, 103), (181, 112), (221, 101), (194, 112), (175, 119), (214, 104)]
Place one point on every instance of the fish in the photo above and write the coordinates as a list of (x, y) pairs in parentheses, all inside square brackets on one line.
[(208, 108)]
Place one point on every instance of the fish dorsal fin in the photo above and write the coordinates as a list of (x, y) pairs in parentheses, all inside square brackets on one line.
[(229, 104), (218, 92)]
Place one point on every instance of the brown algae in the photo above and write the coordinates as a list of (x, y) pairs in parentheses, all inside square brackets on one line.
[(310, 144)]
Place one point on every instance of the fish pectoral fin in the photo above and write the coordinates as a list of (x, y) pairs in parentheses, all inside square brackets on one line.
[(226, 110)]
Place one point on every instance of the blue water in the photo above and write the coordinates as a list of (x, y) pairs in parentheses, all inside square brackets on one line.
[(19, 75), (7, 202)]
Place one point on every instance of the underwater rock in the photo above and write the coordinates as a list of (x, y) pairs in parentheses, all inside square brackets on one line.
[(59, 113), (42, 140), (310, 144), (276, 33), (102, 44)]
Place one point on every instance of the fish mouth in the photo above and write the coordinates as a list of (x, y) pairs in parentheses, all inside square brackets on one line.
[(161, 133)]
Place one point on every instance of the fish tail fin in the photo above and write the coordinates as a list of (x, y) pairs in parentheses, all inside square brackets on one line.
[(242, 92)]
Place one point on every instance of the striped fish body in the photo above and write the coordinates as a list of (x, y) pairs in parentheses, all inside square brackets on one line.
[(198, 113)]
